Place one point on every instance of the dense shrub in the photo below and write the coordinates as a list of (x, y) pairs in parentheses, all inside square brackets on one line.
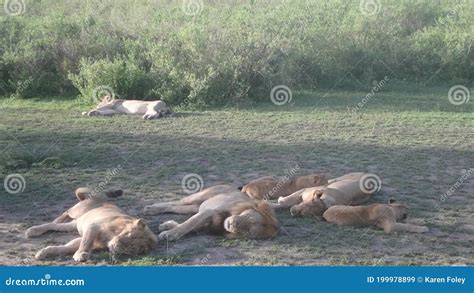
[(229, 51), (123, 76)]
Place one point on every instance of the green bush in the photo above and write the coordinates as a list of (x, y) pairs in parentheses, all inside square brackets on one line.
[(230, 52), (120, 77)]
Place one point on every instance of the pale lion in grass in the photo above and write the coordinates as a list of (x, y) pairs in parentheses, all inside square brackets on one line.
[(101, 224), (218, 209), (385, 216), (314, 201), (149, 109)]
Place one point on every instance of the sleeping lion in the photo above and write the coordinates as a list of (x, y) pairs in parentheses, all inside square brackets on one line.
[(385, 216), (313, 202), (269, 187), (218, 209), (149, 109), (101, 224)]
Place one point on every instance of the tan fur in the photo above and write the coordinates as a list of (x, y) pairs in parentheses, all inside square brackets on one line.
[(218, 209), (385, 216), (273, 188), (312, 202), (149, 109), (101, 224)]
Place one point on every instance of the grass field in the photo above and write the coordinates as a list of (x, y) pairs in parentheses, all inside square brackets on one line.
[(416, 142)]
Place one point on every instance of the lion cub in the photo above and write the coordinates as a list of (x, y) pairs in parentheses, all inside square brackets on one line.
[(385, 216), (101, 224), (269, 187)]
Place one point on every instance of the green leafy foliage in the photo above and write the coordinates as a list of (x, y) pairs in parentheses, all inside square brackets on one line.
[(230, 52)]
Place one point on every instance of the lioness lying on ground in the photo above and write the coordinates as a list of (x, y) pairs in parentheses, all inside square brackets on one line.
[(272, 188), (101, 224), (149, 109), (218, 209), (384, 216), (312, 202)]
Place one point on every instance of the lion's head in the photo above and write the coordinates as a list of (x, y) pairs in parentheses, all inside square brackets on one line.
[(314, 207), (105, 101), (254, 220), (135, 238), (401, 211)]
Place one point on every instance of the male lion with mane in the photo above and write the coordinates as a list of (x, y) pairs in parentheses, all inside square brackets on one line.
[(149, 109), (101, 224), (385, 216), (218, 209)]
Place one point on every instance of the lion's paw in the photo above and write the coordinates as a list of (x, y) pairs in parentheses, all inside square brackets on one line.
[(93, 113), (424, 229), (281, 200), (168, 235), (149, 210), (80, 256), (168, 225), (33, 232), (43, 253), (155, 209)]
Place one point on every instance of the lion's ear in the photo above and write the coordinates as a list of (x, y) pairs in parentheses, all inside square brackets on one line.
[(139, 223), (83, 193), (318, 194), (391, 201), (114, 193)]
